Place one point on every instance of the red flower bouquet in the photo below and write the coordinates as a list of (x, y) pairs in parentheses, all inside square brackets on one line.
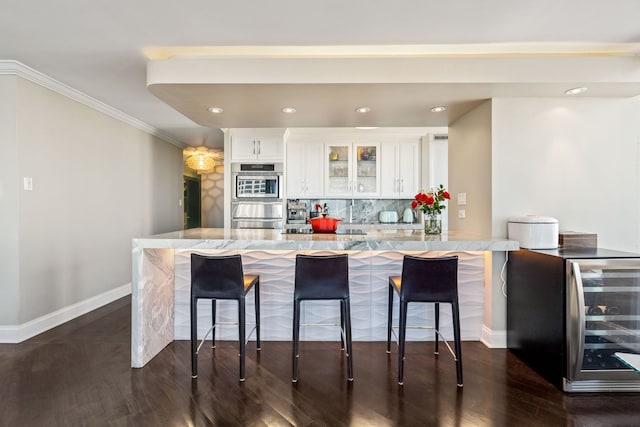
[(431, 202)]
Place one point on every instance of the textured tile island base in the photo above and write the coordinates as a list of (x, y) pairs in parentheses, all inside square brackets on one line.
[(161, 288)]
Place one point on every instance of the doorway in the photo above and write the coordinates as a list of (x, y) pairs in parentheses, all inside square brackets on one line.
[(192, 203)]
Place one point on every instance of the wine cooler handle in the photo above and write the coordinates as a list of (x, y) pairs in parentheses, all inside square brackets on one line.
[(577, 320)]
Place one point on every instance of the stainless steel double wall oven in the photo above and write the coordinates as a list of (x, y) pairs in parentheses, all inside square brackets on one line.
[(257, 195)]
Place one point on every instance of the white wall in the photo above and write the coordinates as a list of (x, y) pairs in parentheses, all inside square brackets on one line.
[(8, 203), (575, 159), (470, 145), (97, 183)]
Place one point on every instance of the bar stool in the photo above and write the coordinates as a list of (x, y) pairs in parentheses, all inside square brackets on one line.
[(221, 277), (322, 277), (426, 280)]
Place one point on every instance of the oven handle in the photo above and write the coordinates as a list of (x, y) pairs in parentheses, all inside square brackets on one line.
[(246, 219), (245, 175), (254, 223)]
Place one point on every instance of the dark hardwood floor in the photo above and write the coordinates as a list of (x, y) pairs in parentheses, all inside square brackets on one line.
[(79, 374)]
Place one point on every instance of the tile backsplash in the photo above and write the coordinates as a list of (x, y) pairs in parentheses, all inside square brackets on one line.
[(362, 211)]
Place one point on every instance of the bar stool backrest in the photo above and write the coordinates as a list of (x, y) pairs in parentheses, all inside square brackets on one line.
[(217, 276), (429, 279), (321, 277)]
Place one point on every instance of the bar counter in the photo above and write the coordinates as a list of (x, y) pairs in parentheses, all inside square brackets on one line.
[(374, 239), (161, 276)]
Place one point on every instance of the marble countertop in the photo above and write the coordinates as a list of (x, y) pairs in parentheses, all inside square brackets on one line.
[(376, 239)]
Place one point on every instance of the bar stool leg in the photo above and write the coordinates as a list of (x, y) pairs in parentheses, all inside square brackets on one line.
[(213, 323), (257, 303), (296, 340), (389, 319), (401, 340), (343, 331), (194, 337), (437, 319), (346, 314), (241, 335), (456, 331)]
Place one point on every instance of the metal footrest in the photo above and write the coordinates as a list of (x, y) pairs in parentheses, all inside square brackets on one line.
[(397, 340), (255, 327)]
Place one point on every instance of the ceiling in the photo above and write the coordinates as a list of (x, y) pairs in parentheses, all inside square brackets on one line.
[(148, 59)]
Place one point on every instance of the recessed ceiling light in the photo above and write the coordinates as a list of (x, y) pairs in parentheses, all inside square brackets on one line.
[(289, 110), (575, 90), (438, 109), (215, 110), (366, 127), (363, 109)]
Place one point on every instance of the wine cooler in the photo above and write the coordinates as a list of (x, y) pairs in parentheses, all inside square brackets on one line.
[(573, 315)]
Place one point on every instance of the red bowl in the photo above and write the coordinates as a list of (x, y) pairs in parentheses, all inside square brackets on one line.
[(324, 224)]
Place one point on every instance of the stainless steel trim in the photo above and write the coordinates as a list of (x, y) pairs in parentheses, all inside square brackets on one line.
[(250, 175), (576, 321), (257, 223), (278, 169), (600, 385)]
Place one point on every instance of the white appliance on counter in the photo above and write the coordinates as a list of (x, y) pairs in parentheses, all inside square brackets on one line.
[(407, 216), (388, 217), (533, 231)]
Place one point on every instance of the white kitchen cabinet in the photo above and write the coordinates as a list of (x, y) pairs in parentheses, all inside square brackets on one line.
[(400, 169), (304, 170), (268, 148), (353, 170)]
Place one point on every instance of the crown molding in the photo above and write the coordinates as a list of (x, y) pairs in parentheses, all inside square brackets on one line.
[(16, 68)]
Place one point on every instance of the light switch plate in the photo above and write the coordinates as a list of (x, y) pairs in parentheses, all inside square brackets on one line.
[(462, 213), (28, 184), (462, 199)]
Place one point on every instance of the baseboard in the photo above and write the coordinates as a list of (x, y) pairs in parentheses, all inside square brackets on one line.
[(20, 333), (493, 339)]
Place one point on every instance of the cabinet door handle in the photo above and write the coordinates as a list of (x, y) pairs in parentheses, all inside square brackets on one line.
[(254, 147), (402, 185), (259, 151)]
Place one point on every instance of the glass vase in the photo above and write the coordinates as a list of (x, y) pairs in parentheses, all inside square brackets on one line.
[(432, 223)]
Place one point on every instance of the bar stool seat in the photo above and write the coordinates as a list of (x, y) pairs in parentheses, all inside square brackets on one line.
[(430, 280), (322, 277), (221, 277)]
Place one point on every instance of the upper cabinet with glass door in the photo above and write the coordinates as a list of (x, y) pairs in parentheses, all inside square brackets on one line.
[(353, 170)]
